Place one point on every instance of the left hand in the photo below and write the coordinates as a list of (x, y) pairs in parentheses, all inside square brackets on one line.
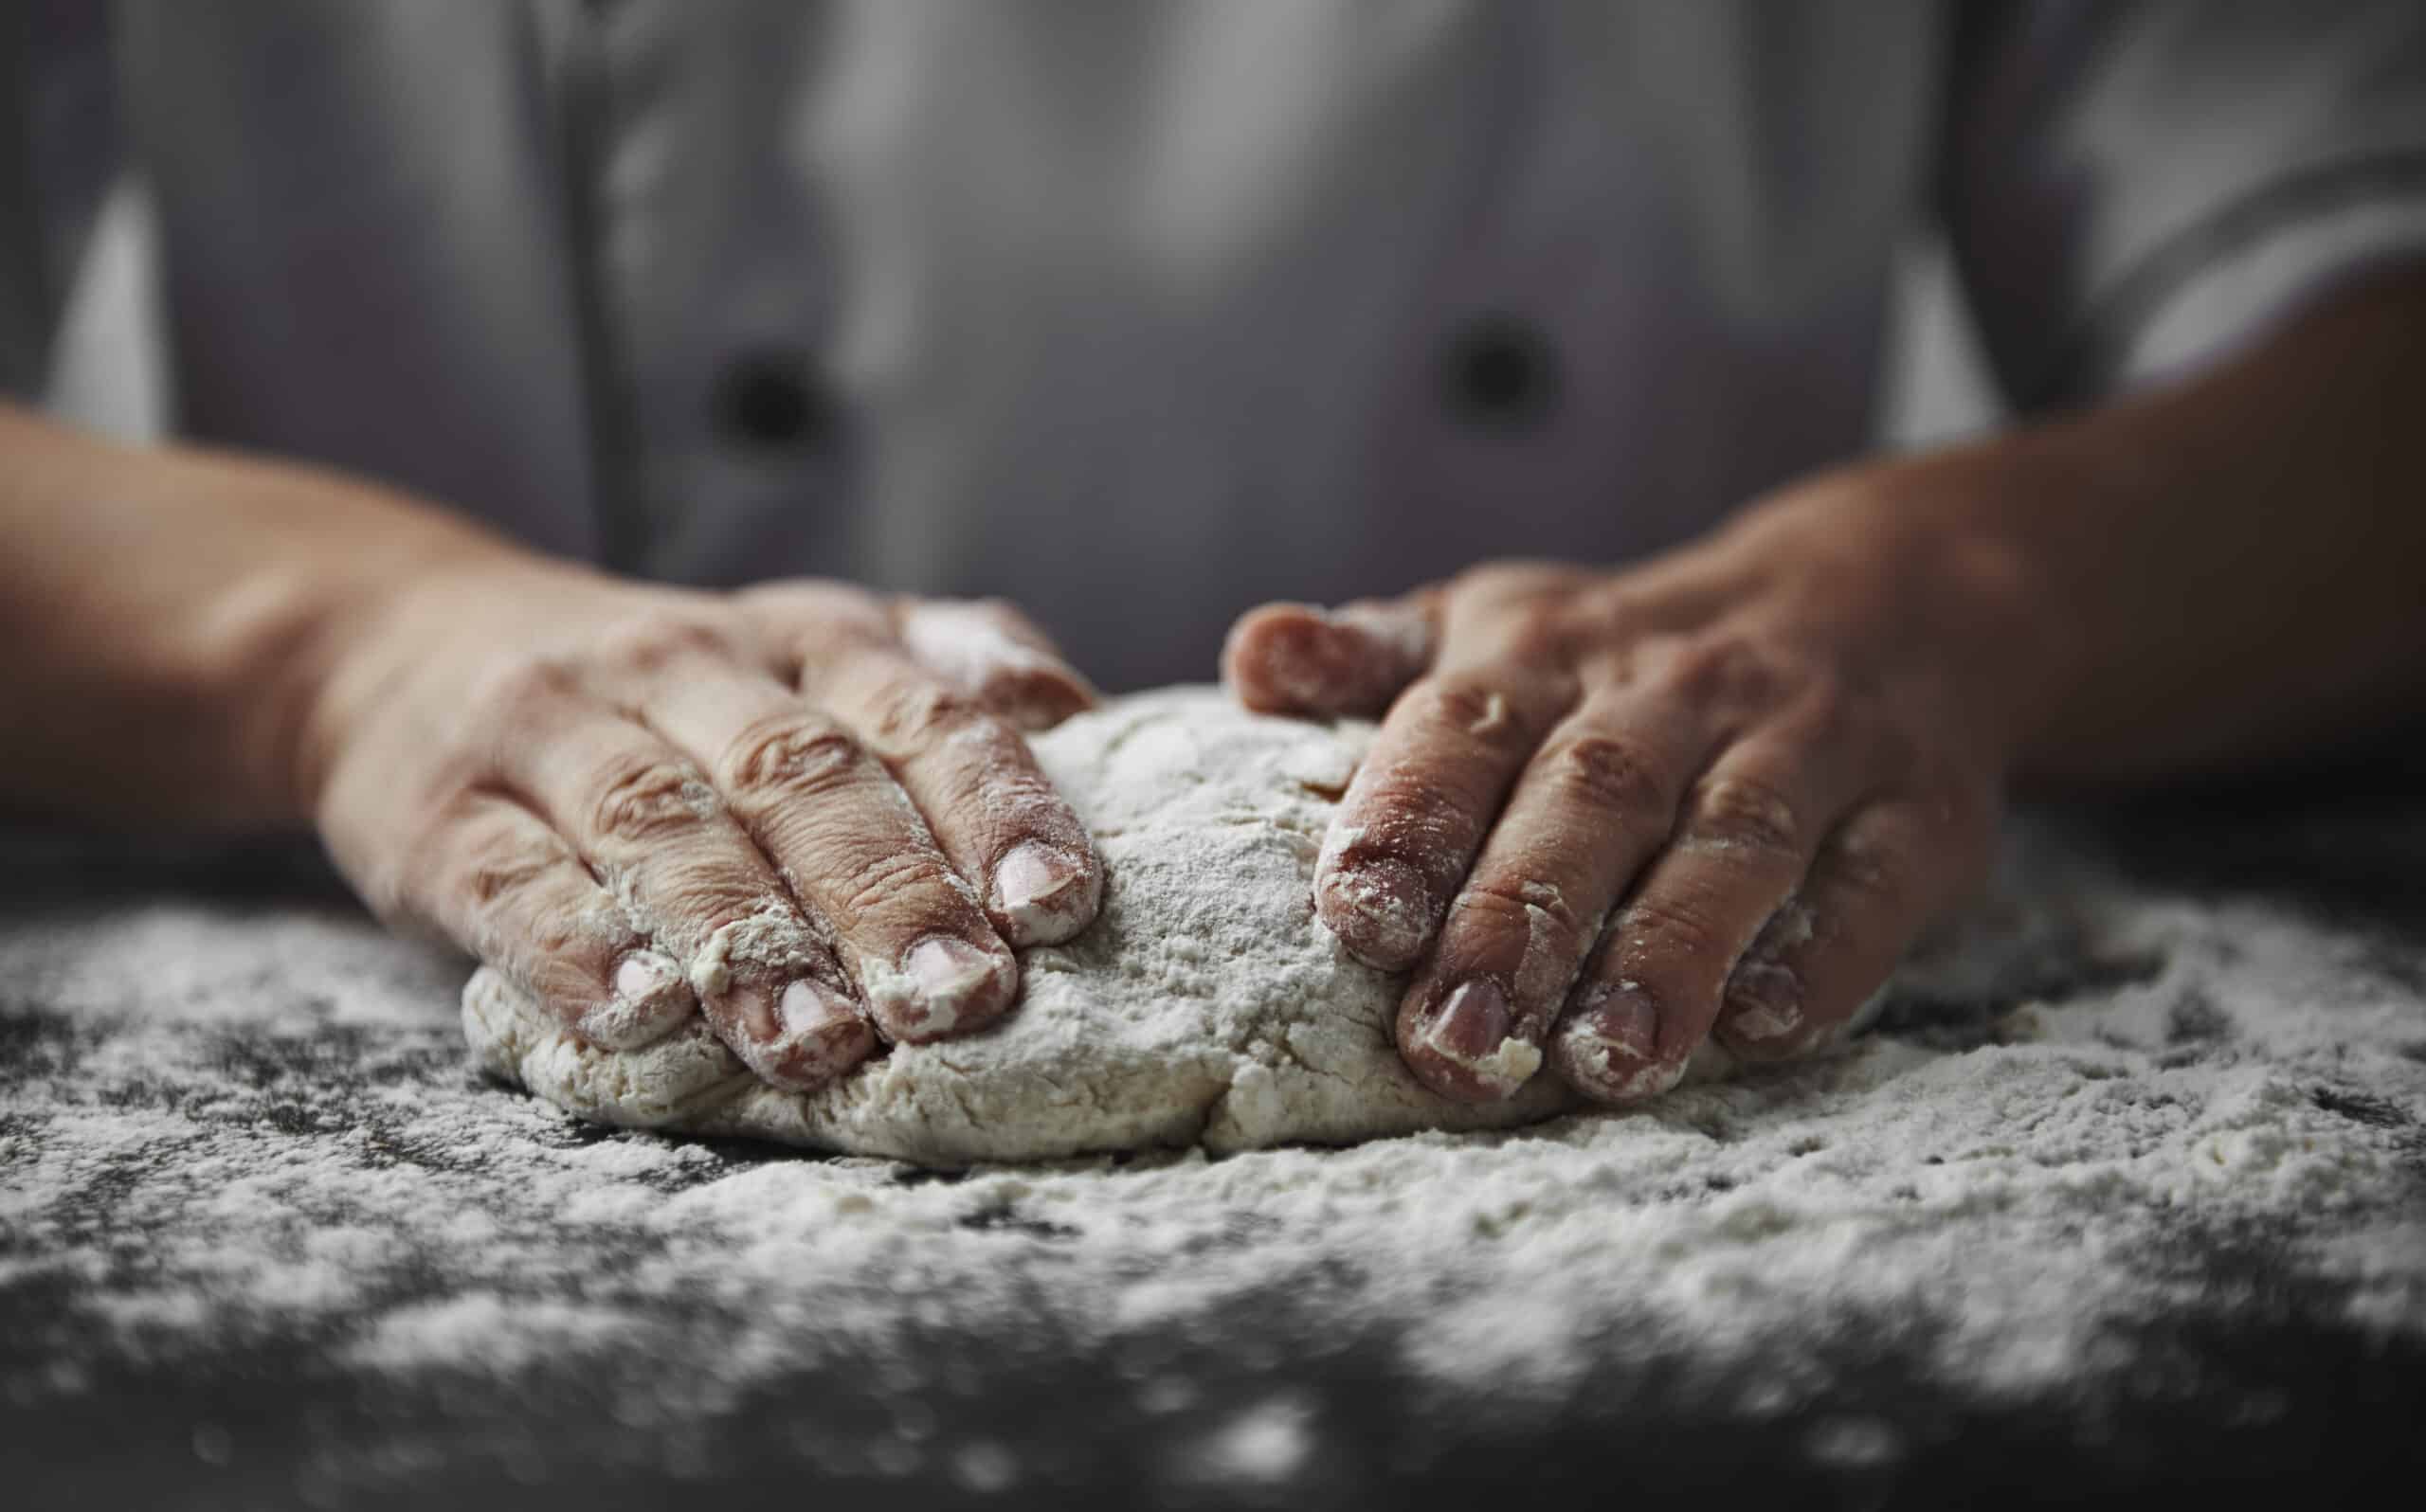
[(1610, 814)]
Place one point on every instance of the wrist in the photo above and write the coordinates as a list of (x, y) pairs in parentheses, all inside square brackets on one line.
[(378, 642), (173, 612)]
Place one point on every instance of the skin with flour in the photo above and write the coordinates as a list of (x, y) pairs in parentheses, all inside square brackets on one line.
[(1609, 816), (1206, 1007)]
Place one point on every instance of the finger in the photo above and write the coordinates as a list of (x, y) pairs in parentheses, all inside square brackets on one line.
[(1652, 991), (1595, 802), (644, 818), (1295, 659), (1417, 810), (495, 878), (849, 842), (990, 651), (988, 804), (1874, 886)]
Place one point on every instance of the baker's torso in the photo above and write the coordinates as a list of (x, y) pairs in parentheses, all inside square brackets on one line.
[(1135, 315)]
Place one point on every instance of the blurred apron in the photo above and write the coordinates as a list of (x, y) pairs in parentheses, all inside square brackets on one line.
[(1139, 314)]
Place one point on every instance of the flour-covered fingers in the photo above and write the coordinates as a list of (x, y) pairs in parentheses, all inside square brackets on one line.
[(997, 657), (1426, 793), (991, 807), (1740, 851), (1297, 658), (645, 818), (1877, 883), (497, 880), (1594, 802), (850, 844)]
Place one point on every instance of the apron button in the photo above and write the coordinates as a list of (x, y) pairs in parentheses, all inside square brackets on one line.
[(768, 400), (1502, 373)]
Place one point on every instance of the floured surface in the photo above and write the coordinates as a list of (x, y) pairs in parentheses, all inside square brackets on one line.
[(2147, 1157), (1206, 1006)]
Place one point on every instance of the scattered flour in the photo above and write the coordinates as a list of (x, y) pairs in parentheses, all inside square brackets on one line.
[(228, 1127), (1266, 1444)]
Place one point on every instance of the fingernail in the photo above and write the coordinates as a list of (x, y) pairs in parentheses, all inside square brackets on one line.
[(1472, 1031), (1472, 1021), (806, 1011), (1625, 1015), (644, 974), (648, 1003), (1764, 1002), (948, 978), (1607, 1047), (1040, 893), (1380, 909), (803, 1038)]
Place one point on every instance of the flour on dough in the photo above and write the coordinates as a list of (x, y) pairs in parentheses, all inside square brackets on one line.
[(1207, 1005)]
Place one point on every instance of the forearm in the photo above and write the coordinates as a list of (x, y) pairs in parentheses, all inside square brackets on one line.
[(2200, 578), (167, 614)]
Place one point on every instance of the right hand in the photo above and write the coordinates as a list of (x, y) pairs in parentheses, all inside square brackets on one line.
[(802, 810)]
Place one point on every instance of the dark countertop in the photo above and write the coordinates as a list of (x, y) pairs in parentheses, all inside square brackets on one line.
[(2261, 1378)]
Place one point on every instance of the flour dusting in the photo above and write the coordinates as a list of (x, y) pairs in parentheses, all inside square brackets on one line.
[(231, 1131)]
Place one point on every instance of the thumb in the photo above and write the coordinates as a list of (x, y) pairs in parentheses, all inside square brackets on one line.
[(1295, 659)]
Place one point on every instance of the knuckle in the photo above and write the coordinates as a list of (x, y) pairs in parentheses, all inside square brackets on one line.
[(494, 880), (1725, 672), (890, 879), (1504, 901), (654, 639), (1672, 932), (799, 754), (1416, 815), (918, 714), (1466, 701), (1606, 772), (1538, 635), (501, 871), (1485, 707), (1514, 923), (644, 799), (1747, 814), (505, 694)]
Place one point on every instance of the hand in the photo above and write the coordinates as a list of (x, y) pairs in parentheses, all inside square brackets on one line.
[(1609, 813), (804, 810)]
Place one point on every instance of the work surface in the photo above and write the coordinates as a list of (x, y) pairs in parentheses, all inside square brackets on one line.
[(2131, 1191)]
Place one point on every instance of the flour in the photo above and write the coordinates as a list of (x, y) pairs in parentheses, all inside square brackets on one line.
[(1207, 1005), (233, 1132)]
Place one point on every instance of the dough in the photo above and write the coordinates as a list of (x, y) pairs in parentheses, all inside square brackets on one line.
[(1207, 1005)]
